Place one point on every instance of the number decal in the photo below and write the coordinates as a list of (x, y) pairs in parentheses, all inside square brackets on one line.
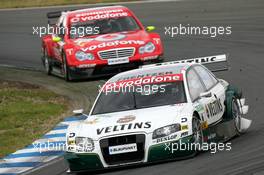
[(183, 120), (71, 135)]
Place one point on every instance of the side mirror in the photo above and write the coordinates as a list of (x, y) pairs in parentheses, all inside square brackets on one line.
[(150, 28), (205, 95), (78, 111), (56, 39)]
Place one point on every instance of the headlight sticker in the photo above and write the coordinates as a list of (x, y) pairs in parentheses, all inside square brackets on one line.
[(165, 139)]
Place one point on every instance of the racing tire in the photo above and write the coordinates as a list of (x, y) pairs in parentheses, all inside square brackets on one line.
[(236, 115), (46, 62), (65, 69), (232, 111), (197, 133)]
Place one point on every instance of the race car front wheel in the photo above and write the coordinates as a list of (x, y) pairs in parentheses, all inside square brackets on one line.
[(65, 68), (197, 132), (236, 115), (47, 65)]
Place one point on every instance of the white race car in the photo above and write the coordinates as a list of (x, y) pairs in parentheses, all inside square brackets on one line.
[(157, 112)]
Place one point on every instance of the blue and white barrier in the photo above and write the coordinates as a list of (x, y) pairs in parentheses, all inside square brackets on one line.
[(45, 149)]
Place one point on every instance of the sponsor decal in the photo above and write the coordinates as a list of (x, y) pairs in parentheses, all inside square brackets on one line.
[(113, 43), (82, 41), (145, 75), (184, 134), (143, 81), (110, 37), (92, 122), (126, 119), (183, 120), (199, 108), (195, 60), (117, 128), (69, 51), (119, 149), (71, 135), (71, 142), (214, 108), (157, 40), (98, 12), (117, 61), (149, 58), (104, 15), (204, 125), (184, 127), (86, 65), (167, 138)]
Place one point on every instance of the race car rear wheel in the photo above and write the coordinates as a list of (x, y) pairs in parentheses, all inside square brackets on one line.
[(236, 115), (197, 131), (46, 61)]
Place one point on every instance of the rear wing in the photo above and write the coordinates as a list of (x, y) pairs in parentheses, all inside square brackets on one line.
[(56, 14), (214, 63), (53, 16)]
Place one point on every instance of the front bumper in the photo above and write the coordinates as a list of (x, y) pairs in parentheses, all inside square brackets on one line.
[(99, 71), (168, 151), (155, 153), (83, 162), (103, 69)]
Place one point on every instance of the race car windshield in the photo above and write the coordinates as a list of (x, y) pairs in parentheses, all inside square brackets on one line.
[(138, 97), (104, 26)]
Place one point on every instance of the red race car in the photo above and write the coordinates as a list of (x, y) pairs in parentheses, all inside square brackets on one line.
[(97, 42)]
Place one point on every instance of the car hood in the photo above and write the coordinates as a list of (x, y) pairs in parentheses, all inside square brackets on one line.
[(140, 120), (110, 41)]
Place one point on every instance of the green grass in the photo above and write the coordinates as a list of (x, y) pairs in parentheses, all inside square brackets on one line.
[(26, 113), (41, 3)]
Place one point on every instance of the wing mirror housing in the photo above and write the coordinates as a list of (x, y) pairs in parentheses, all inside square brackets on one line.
[(78, 111), (205, 95), (150, 28), (56, 39)]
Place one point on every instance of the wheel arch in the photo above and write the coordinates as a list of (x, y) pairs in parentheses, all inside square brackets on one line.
[(195, 113)]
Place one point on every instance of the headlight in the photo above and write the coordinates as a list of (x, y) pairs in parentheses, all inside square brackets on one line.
[(148, 48), (84, 144), (165, 131), (81, 56)]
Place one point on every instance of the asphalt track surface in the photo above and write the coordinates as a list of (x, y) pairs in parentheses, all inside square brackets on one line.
[(245, 45)]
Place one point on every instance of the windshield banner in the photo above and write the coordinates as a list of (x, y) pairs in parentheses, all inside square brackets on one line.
[(143, 81)]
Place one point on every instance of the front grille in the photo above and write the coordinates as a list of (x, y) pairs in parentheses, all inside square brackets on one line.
[(138, 155), (117, 53)]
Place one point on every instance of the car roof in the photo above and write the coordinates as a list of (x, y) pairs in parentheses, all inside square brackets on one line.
[(97, 10), (152, 71)]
